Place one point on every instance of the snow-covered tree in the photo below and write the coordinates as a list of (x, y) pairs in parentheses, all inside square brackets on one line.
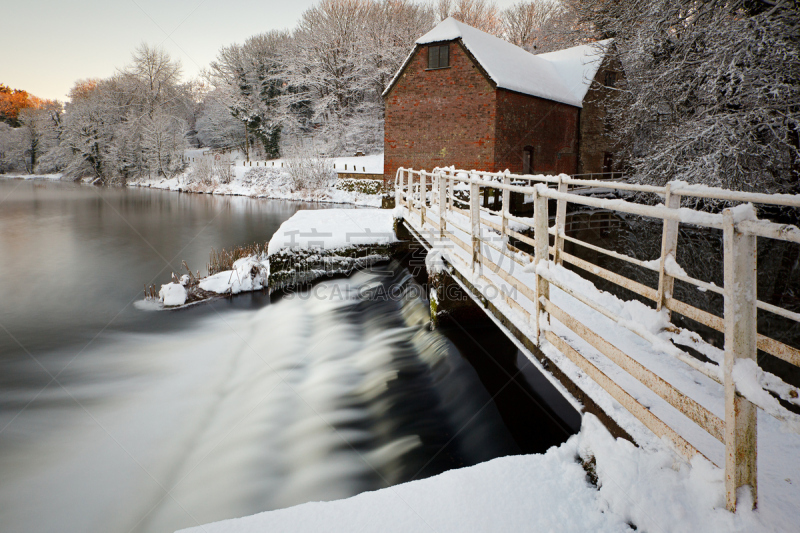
[(325, 69), (11, 158), (248, 82), (342, 55), (539, 26), (132, 124), (711, 89), (391, 28), (39, 132), (216, 126), (477, 13)]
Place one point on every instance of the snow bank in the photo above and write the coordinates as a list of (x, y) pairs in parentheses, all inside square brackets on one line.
[(369, 164), (658, 491), (248, 274), (172, 294), (651, 490), (52, 177), (334, 228)]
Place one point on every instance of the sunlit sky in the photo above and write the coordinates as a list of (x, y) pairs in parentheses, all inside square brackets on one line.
[(49, 44)]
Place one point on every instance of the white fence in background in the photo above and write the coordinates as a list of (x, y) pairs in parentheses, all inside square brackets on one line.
[(227, 156), (440, 211)]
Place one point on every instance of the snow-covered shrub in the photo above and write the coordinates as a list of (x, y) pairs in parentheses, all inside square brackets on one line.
[(225, 259), (362, 186), (223, 170), (207, 171), (309, 170), (264, 178), (201, 171)]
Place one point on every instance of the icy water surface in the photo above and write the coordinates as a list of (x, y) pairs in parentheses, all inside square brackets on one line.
[(117, 419)]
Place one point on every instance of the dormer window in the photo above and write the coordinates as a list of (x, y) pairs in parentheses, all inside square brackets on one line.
[(439, 56)]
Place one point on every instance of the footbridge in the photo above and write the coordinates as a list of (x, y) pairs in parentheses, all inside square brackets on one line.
[(625, 358)]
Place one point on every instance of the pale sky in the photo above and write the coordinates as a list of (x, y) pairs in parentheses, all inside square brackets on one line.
[(49, 44)]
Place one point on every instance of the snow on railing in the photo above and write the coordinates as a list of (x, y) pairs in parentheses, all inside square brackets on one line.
[(455, 197)]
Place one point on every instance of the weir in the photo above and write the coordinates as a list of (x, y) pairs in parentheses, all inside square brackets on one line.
[(594, 346)]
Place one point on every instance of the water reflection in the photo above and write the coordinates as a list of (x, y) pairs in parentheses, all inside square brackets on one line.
[(73, 258)]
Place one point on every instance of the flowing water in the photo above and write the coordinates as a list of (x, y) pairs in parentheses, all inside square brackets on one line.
[(113, 418)]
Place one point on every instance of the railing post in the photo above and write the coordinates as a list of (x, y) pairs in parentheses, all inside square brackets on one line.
[(669, 246), (434, 187), (504, 210), (561, 221), (542, 239), (410, 195), (423, 197), (442, 204), (740, 343), (398, 187), (475, 223), (451, 179)]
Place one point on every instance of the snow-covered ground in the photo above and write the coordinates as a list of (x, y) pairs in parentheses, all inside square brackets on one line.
[(31, 176), (649, 489), (270, 179), (332, 229)]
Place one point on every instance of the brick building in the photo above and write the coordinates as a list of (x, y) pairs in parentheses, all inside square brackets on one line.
[(469, 99)]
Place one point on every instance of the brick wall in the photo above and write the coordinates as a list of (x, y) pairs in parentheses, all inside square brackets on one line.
[(455, 116), (549, 127), (595, 136), (440, 117)]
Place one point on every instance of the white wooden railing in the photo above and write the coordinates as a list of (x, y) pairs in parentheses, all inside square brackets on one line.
[(437, 210)]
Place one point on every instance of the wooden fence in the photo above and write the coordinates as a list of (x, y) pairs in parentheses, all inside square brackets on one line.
[(452, 206)]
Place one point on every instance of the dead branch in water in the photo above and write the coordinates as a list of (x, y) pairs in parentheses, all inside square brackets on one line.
[(150, 293)]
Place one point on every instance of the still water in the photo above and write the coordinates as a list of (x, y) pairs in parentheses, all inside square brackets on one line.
[(113, 418)]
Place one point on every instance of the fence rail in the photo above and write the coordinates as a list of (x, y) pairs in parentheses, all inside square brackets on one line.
[(449, 201)]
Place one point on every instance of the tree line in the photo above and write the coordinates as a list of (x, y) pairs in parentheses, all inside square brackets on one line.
[(709, 91)]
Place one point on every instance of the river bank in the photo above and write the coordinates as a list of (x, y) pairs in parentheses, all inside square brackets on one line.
[(271, 179)]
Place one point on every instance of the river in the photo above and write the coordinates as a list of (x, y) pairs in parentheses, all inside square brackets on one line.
[(115, 418)]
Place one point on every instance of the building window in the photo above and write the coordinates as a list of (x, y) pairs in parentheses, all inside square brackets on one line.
[(439, 56), (527, 160), (611, 79)]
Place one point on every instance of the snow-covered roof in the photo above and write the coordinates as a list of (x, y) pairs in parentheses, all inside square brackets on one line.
[(563, 76), (578, 65)]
